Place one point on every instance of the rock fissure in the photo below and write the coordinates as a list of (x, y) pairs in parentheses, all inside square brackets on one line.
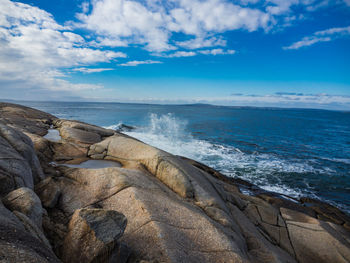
[(109, 196), (288, 235), (304, 227)]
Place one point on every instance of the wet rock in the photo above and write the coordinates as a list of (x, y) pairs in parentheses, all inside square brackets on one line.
[(124, 128), (326, 212), (93, 235)]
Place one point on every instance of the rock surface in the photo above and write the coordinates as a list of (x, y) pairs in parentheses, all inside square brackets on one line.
[(24, 200), (17, 244), (92, 235), (19, 165), (176, 209)]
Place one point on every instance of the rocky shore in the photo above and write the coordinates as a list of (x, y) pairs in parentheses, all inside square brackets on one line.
[(75, 192)]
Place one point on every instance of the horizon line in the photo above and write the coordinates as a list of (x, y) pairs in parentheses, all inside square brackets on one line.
[(183, 104)]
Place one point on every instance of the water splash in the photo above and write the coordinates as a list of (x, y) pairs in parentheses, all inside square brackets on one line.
[(115, 127), (269, 171)]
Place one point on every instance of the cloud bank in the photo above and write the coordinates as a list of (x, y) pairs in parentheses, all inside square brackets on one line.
[(35, 49), (135, 63), (287, 99), (39, 54), (152, 24)]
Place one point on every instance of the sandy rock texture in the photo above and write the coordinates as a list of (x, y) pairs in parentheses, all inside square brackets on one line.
[(152, 207)]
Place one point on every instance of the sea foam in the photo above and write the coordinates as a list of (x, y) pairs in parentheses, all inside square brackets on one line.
[(169, 133)]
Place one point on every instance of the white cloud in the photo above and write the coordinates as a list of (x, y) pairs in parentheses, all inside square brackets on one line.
[(202, 42), (129, 21), (197, 17), (347, 2), (214, 52), (92, 70), (320, 36), (109, 42), (137, 62), (333, 31), (179, 54), (35, 49), (152, 23), (85, 6), (217, 51)]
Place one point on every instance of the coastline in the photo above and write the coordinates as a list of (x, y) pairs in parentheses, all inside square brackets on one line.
[(166, 201)]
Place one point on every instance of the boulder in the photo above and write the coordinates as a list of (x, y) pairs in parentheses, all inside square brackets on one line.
[(163, 165), (24, 200), (17, 244), (168, 230), (48, 191), (15, 171), (292, 215), (79, 136), (25, 119), (32, 228), (17, 143), (84, 127), (93, 235), (319, 242), (161, 226), (68, 150), (42, 148), (326, 212)]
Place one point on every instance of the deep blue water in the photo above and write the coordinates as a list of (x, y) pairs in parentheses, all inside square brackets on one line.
[(299, 152)]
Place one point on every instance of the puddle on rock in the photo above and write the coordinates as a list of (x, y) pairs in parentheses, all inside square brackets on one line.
[(53, 135)]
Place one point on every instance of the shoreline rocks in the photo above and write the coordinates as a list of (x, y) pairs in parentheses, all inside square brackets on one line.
[(176, 209), (93, 235)]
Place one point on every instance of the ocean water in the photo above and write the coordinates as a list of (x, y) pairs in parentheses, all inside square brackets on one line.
[(298, 152)]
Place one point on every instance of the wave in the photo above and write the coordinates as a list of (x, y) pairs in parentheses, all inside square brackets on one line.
[(114, 126), (337, 160), (268, 171), (121, 127)]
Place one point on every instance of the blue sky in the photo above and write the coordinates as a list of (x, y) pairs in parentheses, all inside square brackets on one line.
[(286, 53)]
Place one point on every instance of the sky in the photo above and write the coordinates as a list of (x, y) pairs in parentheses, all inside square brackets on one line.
[(284, 53)]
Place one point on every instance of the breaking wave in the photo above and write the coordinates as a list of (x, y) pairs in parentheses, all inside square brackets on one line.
[(268, 171)]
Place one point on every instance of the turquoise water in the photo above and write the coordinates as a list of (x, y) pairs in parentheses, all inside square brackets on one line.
[(299, 152)]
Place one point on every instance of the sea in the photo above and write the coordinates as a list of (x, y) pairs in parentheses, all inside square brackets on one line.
[(297, 152)]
